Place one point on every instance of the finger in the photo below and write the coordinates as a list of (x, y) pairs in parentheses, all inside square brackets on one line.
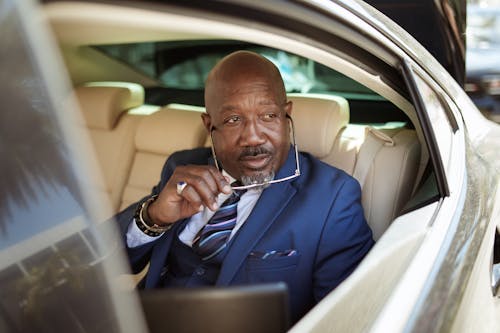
[(207, 181), (203, 184), (221, 181), (205, 190), (180, 187), (191, 208), (198, 197), (199, 177)]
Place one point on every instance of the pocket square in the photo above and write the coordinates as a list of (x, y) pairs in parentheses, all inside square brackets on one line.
[(272, 254)]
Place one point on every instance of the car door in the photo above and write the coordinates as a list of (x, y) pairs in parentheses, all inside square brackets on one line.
[(56, 268)]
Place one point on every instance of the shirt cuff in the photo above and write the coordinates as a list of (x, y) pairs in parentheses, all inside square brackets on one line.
[(135, 237)]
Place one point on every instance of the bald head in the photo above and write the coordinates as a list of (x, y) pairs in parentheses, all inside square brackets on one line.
[(240, 68)]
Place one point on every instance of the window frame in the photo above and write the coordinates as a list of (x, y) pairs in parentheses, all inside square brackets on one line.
[(425, 123)]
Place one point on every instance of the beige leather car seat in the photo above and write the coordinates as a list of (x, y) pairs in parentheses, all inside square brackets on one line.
[(132, 149), (112, 129), (386, 168), (158, 136), (384, 161)]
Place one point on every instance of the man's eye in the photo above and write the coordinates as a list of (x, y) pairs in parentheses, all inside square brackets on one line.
[(270, 116), (232, 120)]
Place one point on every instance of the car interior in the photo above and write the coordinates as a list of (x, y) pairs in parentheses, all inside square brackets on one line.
[(140, 98), (132, 147)]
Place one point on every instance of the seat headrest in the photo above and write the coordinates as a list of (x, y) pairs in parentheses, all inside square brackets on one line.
[(170, 129), (103, 102), (318, 119)]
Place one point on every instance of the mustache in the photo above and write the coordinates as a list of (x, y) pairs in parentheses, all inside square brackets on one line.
[(254, 151)]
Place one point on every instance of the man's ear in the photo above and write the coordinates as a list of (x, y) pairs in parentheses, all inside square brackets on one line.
[(207, 121), (288, 108)]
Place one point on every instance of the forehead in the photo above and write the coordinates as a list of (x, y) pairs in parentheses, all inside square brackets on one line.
[(231, 94), (247, 102), (243, 87)]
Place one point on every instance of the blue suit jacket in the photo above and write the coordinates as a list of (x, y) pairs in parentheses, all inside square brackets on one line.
[(318, 214)]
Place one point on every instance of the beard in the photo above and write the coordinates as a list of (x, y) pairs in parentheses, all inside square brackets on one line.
[(259, 178)]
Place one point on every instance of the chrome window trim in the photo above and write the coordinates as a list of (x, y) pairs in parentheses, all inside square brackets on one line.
[(424, 121)]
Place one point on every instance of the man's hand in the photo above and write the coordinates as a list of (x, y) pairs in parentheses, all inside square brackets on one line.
[(204, 184)]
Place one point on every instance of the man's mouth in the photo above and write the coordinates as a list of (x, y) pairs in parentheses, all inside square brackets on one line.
[(255, 162), (255, 158)]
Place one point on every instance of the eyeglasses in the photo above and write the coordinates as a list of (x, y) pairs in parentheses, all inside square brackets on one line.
[(274, 181)]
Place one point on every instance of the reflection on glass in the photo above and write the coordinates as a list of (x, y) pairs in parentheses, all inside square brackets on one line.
[(54, 290), (438, 119), (299, 74), (35, 168), (51, 269)]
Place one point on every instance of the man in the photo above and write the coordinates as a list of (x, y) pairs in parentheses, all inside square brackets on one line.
[(306, 230)]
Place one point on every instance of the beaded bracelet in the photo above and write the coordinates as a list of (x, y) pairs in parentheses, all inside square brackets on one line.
[(154, 230)]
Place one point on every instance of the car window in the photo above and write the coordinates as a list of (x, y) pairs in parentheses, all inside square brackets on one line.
[(181, 68), (185, 65), (51, 269)]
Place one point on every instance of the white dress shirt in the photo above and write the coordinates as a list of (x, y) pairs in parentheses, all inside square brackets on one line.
[(136, 237)]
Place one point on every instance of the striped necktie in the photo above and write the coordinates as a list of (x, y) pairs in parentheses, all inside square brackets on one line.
[(214, 236)]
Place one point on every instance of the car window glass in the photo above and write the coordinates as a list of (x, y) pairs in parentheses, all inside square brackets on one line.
[(181, 68), (438, 119), (185, 65), (51, 269)]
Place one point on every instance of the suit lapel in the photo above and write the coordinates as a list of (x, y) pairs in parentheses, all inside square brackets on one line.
[(160, 253), (269, 206)]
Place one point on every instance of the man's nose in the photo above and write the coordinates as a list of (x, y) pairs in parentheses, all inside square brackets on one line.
[(252, 134)]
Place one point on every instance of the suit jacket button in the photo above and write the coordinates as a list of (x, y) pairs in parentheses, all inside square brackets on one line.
[(199, 271)]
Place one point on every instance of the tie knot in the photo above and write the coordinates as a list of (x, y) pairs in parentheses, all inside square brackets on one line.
[(236, 183), (234, 197), (238, 192)]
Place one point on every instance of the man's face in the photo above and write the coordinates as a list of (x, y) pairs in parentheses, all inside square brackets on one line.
[(250, 132)]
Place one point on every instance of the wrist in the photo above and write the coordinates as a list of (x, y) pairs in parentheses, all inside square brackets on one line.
[(145, 223), (151, 215), (145, 213)]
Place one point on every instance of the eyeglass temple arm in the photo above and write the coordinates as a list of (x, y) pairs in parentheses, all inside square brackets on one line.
[(297, 170)]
